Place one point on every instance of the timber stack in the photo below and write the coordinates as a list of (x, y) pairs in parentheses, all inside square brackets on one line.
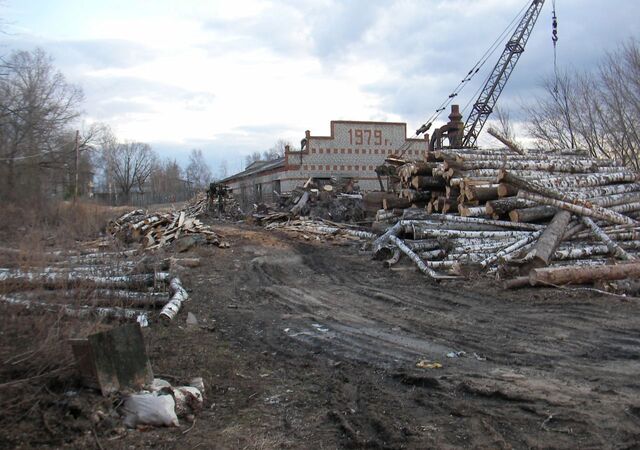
[(544, 218)]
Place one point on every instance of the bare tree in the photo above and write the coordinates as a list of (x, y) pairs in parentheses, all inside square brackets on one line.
[(37, 106), (128, 164), (250, 159), (597, 111), (198, 171)]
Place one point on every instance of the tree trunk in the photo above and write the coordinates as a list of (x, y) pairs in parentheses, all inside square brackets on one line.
[(583, 275), (532, 214), (549, 240)]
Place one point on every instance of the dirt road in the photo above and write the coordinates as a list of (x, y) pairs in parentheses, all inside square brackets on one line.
[(311, 345)]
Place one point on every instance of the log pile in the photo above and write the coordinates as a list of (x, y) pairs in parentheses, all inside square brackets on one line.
[(524, 215), (155, 230), (338, 202)]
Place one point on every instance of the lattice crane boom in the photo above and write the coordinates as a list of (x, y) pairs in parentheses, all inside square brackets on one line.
[(483, 107)]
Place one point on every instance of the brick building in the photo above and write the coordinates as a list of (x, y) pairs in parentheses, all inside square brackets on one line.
[(353, 150)]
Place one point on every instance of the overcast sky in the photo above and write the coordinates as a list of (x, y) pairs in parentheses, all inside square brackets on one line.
[(232, 77)]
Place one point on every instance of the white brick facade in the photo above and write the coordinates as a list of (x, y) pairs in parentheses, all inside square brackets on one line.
[(352, 150)]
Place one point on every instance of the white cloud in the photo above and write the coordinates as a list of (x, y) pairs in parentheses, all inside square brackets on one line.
[(233, 77)]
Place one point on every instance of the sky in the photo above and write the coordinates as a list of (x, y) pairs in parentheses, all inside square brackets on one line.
[(233, 77)]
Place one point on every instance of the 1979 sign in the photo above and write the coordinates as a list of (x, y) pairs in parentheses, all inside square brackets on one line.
[(366, 137)]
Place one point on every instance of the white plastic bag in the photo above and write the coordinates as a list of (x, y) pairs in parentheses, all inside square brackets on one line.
[(150, 409)]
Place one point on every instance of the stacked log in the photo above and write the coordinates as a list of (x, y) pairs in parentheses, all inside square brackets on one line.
[(512, 214)]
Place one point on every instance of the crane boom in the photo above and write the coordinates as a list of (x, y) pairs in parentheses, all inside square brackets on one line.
[(483, 107)]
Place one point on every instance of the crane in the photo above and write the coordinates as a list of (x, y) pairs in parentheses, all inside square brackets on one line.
[(466, 135)]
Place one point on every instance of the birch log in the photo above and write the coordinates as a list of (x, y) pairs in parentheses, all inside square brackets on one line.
[(516, 246), (614, 248), (569, 181), (416, 259), (583, 275), (178, 295), (595, 213), (380, 247)]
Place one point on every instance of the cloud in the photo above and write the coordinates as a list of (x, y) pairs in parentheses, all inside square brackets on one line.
[(233, 77)]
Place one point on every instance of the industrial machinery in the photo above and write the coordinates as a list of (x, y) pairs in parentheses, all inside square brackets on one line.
[(465, 135)]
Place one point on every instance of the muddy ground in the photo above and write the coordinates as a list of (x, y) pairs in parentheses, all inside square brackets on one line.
[(310, 344)]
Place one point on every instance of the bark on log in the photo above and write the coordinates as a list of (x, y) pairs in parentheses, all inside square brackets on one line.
[(549, 241), (381, 248), (516, 283), (472, 211), (570, 181), (583, 275), (78, 311), (394, 259), (440, 218), (504, 205), (506, 190), (506, 141), (547, 165), (533, 214), (395, 202), (614, 248), (422, 232), (615, 199), (300, 204), (416, 259), (428, 182), (595, 212), (516, 246), (52, 280), (179, 295), (481, 193)]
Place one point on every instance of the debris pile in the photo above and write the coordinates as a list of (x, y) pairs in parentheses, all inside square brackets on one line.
[(534, 216), (321, 230), (155, 230), (339, 201)]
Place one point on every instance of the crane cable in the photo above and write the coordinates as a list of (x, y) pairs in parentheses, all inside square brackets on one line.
[(470, 75), (554, 39)]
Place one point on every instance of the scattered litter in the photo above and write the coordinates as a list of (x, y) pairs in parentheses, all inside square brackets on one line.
[(455, 354), (479, 358), (192, 319), (319, 327), (426, 364), (150, 409), (143, 320)]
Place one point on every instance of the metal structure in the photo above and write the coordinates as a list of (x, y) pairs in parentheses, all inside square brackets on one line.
[(483, 107)]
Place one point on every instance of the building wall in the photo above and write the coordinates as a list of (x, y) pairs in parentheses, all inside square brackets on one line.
[(352, 150)]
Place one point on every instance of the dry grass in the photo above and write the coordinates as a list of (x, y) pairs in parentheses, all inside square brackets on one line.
[(36, 365)]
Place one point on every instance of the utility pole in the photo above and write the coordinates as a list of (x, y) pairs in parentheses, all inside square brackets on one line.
[(75, 194)]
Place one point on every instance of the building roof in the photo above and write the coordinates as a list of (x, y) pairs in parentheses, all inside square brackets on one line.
[(256, 168)]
